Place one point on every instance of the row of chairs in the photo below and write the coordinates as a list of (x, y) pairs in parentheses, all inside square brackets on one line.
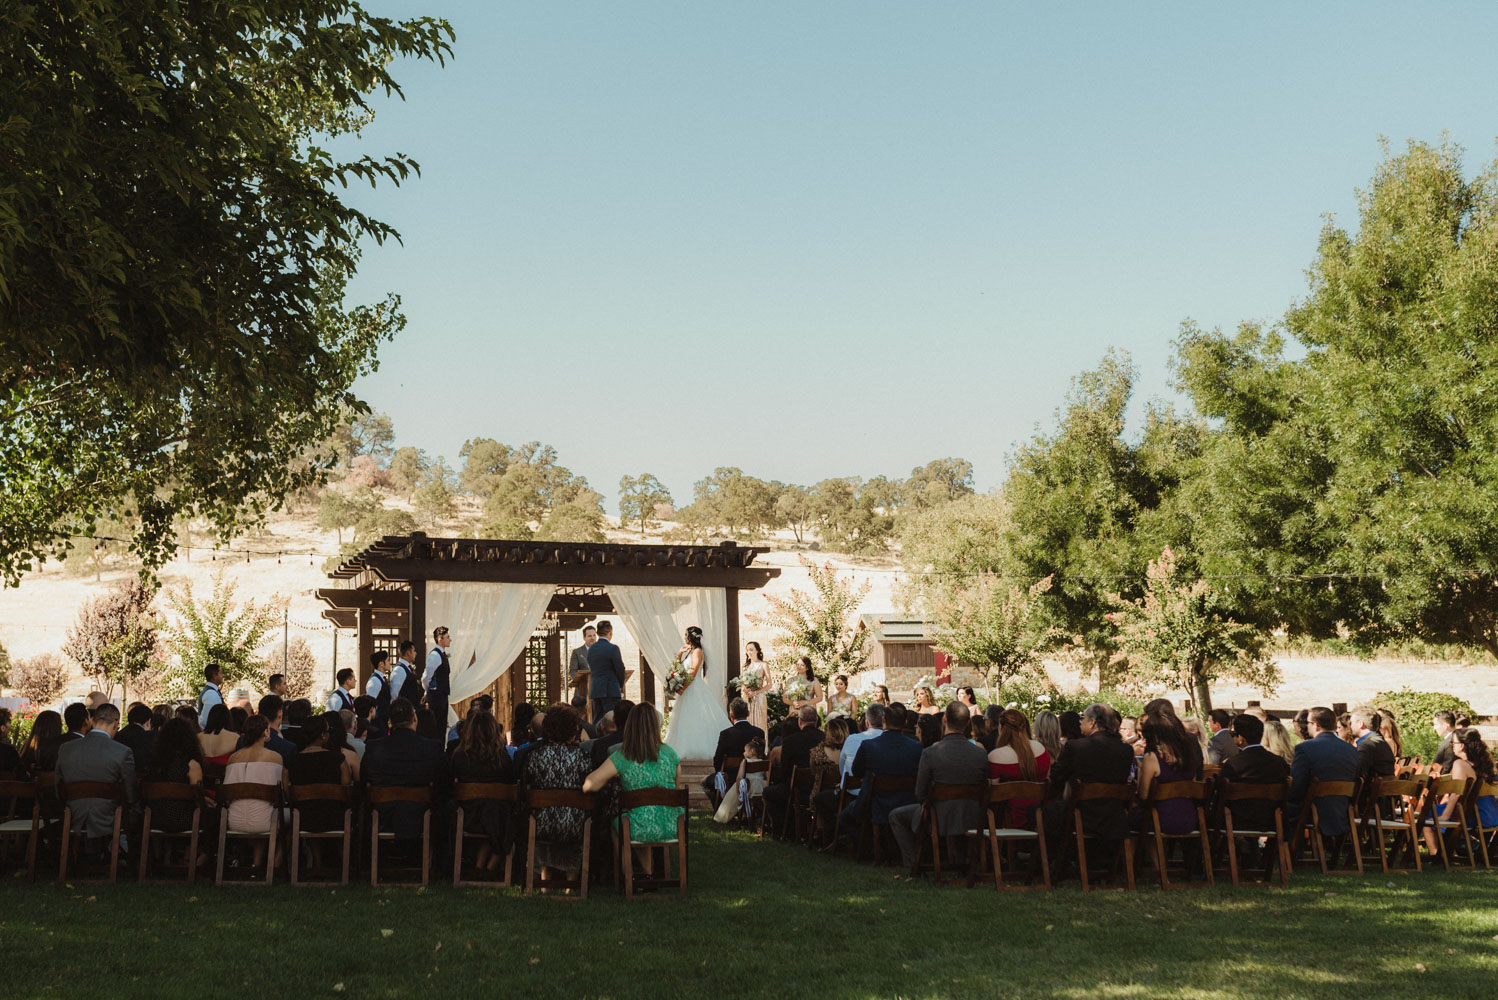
[(29, 819), (1390, 817)]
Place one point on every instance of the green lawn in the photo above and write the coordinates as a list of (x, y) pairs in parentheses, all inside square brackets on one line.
[(763, 919)]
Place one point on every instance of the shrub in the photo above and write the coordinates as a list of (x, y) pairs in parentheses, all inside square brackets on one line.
[(21, 721), (1413, 710), (42, 678), (1031, 695), (298, 663)]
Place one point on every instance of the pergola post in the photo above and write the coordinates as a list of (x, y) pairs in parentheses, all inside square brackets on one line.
[(417, 604), (554, 667), (647, 682), (731, 608)]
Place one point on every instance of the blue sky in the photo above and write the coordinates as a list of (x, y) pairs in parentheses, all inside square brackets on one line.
[(813, 239)]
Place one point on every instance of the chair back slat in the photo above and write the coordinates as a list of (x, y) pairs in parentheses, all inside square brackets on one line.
[(1325, 789), (1004, 791), (756, 767), (485, 791), (1090, 791), (851, 782), (1239, 791), (1169, 791), (1387, 788), (44, 779), (170, 791), (641, 797), (1449, 786), (92, 790), (382, 794), (249, 791), (802, 779), (976, 792), (568, 798), (322, 793), (731, 764), (17, 790), (884, 784)]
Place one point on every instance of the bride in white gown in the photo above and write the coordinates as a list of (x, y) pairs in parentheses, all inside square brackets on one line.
[(697, 717)]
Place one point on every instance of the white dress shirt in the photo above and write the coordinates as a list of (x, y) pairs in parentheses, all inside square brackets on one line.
[(206, 701), (372, 688), (850, 749), (434, 660), (336, 700), (398, 677)]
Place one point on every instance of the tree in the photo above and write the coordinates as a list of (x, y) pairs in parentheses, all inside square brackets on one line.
[(339, 510), (41, 679), (1182, 632), (174, 257), (848, 519), (1374, 452), (638, 498), (534, 483), (5, 665), (939, 481), (942, 548), (793, 508), (297, 662), (106, 543), (408, 470), (572, 523), (115, 637), (433, 500), (993, 625), (484, 463), (820, 623), (215, 630)]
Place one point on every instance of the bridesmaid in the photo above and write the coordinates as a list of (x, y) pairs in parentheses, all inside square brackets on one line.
[(754, 658), (815, 694), (841, 698)]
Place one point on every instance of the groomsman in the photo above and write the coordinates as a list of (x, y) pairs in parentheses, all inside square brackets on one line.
[(213, 674), (405, 680), (378, 687), (342, 696), (438, 677)]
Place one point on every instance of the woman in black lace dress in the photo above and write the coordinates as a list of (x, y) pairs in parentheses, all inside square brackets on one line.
[(557, 761)]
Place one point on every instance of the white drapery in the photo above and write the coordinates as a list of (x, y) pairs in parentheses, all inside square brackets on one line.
[(490, 624), (658, 618)]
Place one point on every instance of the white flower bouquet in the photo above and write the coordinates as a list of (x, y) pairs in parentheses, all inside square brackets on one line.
[(676, 678), (753, 680), (796, 690)]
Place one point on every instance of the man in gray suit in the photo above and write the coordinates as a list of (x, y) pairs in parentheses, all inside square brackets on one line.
[(98, 756), (606, 686), (578, 663), (1221, 748), (952, 760)]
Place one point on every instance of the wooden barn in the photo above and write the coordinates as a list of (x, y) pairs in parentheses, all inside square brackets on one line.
[(903, 652)]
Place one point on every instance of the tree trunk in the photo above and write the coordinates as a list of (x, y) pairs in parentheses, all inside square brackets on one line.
[(1201, 695)]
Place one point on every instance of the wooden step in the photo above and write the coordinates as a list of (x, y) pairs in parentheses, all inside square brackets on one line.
[(692, 773)]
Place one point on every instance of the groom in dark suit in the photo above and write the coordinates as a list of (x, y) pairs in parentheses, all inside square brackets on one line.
[(606, 663)]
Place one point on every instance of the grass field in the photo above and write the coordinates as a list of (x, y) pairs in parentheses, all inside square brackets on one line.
[(763, 920)]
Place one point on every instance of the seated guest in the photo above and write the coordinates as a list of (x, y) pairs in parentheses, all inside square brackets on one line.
[(1017, 757), (889, 755), (10, 758), (405, 759), (642, 761), (238, 716), (1193, 728), (520, 726), (1254, 764), (217, 740), (536, 733), (480, 703), (1302, 725), (1277, 740), (298, 712), (1221, 746), (271, 707), (338, 740), (176, 757), (256, 763), (873, 721), (1388, 727), (609, 740), (1047, 732), (189, 715), (39, 755), (353, 732), (137, 735), (1097, 756), (952, 760), (1471, 759), (318, 764), (1170, 754), (1444, 724), (365, 711), (731, 743), (161, 715), (558, 762), (826, 776), (992, 716), (1375, 756), (795, 752), (1071, 726), (96, 756), (1327, 757), (482, 757), (980, 733), (1345, 732), (1128, 731), (75, 717), (929, 730), (342, 696)]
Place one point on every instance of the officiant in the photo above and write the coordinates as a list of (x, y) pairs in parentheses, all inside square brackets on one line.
[(577, 668)]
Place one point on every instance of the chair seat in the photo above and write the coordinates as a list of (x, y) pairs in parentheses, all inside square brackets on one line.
[(175, 833), (321, 834), (16, 826), (1250, 833), (1005, 833), (653, 843), (231, 832)]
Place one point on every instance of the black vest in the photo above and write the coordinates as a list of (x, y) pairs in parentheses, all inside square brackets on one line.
[(411, 686), (382, 700), (344, 699), (441, 674)]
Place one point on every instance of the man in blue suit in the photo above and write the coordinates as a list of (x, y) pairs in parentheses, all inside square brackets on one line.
[(891, 755), (1327, 757), (606, 664)]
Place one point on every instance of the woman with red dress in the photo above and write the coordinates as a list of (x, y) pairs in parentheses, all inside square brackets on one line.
[(1017, 757)]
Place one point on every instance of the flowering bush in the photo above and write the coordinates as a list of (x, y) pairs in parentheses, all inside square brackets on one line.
[(21, 721)]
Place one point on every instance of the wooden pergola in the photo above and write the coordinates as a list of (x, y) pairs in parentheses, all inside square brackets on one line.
[(381, 594)]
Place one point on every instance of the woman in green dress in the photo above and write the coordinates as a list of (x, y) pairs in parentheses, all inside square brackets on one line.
[(642, 761)]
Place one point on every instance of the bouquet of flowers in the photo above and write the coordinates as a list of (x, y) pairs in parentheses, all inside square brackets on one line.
[(753, 680), (796, 690), (676, 678)]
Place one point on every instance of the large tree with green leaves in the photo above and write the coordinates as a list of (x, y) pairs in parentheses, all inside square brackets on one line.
[(174, 249), (1356, 488), (639, 496)]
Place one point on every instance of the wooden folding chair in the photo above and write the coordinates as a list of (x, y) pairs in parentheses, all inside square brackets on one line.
[(747, 812), (380, 795), (1485, 835), (1234, 791), (22, 819), (730, 768), (154, 792), (1162, 792), (846, 792), (546, 798), (1399, 799), (1311, 820), (794, 815), (1000, 794), (468, 794), (977, 793), (639, 798), (1101, 792), (1454, 821), (304, 795), (248, 791), (74, 791), (869, 830)]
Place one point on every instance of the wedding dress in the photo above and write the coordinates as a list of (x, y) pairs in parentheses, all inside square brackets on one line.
[(697, 718)]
